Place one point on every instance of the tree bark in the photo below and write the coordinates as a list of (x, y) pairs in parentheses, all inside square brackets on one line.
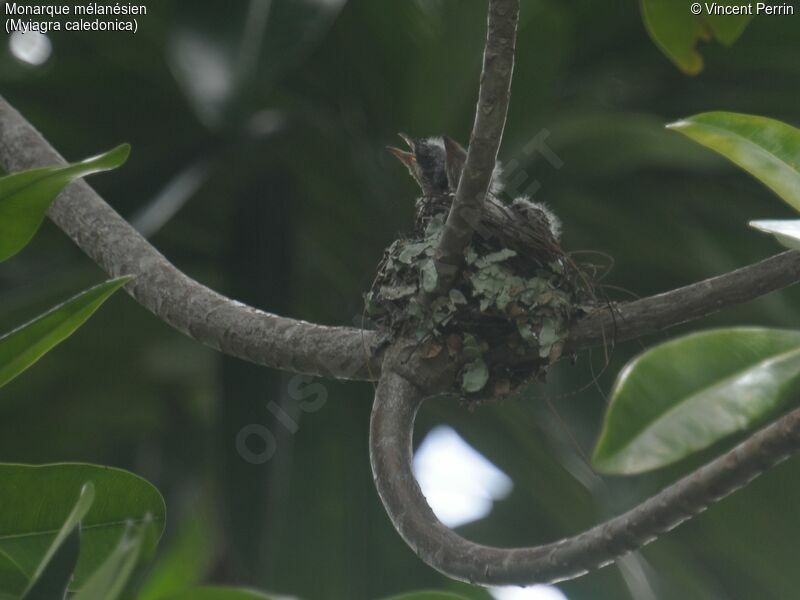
[(190, 307), (484, 143), (397, 401)]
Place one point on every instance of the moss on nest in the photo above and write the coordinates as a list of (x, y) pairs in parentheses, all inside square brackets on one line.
[(501, 299)]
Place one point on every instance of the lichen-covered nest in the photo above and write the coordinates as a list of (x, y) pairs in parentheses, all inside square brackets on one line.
[(522, 303)]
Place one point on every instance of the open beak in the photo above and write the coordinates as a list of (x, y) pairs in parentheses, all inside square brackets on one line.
[(407, 158), (407, 139)]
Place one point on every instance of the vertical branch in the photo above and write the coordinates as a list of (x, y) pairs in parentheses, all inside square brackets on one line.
[(487, 133)]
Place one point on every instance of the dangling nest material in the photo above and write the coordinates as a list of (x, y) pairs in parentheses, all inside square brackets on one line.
[(518, 292)]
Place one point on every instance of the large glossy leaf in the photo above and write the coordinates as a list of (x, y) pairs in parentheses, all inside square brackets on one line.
[(36, 501), (26, 196), (220, 593), (54, 580), (678, 32), (22, 347), (767, 149), (12, 580), (52, 576), (786, 232), (686, 394), (111, 578)]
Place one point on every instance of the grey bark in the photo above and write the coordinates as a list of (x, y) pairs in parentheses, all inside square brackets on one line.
[(662, 311), (298, 346), (190, 307), (484, 144), (347, 353), (396, 403)]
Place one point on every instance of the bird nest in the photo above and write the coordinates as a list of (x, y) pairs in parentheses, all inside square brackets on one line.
[(506, 317), (503, 304)]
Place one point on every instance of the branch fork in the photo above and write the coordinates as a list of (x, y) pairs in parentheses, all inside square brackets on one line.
[(404, 378)]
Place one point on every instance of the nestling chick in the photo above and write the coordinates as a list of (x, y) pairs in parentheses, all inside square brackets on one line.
[(515, 291), (427, 163), (436, 164)]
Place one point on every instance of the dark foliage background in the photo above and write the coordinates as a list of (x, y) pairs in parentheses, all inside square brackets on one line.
[(280, 117)]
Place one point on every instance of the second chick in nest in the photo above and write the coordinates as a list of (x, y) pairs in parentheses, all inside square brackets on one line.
[(437, 163)]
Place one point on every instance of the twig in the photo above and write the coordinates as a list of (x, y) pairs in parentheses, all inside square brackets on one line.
[(396, 403), (487, 133)]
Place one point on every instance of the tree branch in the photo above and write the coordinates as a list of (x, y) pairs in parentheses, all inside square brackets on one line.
[(298, 346), (484, 144), (348, 353), (191, 308), (631, 320), (655, 313), (396, 403)]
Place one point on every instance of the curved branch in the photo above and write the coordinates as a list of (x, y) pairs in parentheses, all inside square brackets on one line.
[(396, 403), (484, 144), (188, 306), (338, 352)]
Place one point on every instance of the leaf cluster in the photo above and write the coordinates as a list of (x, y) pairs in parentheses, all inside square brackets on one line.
[(685, 395)]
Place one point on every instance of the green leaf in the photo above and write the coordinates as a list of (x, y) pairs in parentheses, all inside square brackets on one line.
[(475, 376), (12, 580), (457, 296), (428, 275), (428, 595), (36, 501), (494, 257), (184, 562), (547, 337), (55, 579), (109, 581), (220, 593), (26, 196), (686, 394), (21, 348), (767, 149), (52, 576), (726, 28), (786, 232), (411, 251), (677, 31), (472, 347)]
